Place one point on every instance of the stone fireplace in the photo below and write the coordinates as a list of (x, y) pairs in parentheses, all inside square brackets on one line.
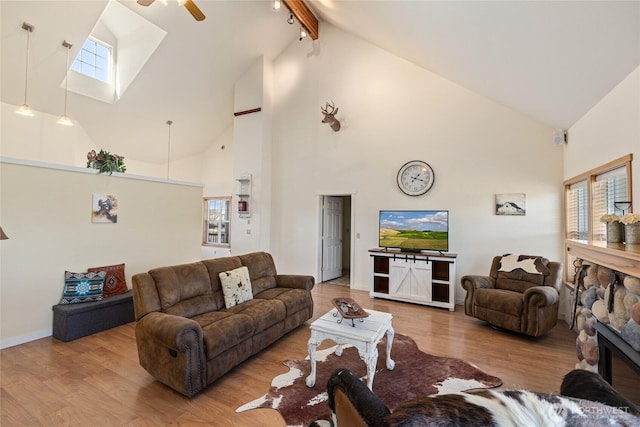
[(610, 298), (607, 314)]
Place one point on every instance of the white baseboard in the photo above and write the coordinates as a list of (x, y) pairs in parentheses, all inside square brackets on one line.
[(10, 342)]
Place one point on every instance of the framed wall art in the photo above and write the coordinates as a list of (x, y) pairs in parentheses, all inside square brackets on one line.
[(105, 209), (511, 204)]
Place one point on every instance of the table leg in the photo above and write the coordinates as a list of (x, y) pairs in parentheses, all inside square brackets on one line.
[(371, 360), (390, 334), (312, 345)]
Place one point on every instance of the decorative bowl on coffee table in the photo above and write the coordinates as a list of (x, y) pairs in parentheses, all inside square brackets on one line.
[(348, 308)]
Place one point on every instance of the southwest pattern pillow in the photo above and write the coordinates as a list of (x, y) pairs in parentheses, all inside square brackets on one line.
[(82, 287), (236, 286), (115, 282)]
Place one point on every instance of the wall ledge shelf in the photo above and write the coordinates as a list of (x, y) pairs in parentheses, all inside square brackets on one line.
[(617, 256), (90, 171)]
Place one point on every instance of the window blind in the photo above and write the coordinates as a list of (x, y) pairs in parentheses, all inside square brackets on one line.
[(577, 211)]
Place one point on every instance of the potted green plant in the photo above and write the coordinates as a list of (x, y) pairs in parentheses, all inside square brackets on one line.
[(105, 162)]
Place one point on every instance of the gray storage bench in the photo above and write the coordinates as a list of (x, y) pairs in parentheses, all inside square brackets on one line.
[(72, 321)]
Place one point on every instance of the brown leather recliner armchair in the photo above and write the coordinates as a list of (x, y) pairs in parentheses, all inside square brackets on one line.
[(520, 294)]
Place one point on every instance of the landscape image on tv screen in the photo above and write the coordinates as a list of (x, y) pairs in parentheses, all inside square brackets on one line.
[(415, 230)]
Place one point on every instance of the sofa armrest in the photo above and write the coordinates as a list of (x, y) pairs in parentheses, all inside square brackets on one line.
[(174, 332), (540, 296), (352, 403), (471, 283), (298, 281), (171, 349)]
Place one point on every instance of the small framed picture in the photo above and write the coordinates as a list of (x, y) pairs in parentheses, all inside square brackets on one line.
[(105, 209), (511, 204)]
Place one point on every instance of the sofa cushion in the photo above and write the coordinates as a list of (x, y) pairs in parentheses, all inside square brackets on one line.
[(294, 299), (262, 270), (184, 290), (236, 286), (115, 282), (264, 313), (500, 300), (518, 281), (82, 287), (215, 267), (222, 330)]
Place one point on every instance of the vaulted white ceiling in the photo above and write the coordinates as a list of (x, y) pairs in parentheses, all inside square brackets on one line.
[(552, 60)]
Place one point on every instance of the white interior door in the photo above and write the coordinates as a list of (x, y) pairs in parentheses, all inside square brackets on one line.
[(331, 237)]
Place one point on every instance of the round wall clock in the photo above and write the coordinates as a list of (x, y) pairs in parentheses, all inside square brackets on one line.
[(415, 178)]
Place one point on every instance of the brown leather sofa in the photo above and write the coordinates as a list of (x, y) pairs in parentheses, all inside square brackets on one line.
[(186, 337), (518, 300)]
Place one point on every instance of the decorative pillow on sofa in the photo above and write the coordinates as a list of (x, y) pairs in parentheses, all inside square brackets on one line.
[(82, 287), (114, 282), (236, 286)]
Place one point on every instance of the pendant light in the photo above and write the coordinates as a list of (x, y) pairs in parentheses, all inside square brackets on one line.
[(24, 109), (64, 119)]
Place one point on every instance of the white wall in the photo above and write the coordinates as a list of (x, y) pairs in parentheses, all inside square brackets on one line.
[(46, 212), (217, 175), (608, 131), (391, 112), (252, 155), (41, 139)]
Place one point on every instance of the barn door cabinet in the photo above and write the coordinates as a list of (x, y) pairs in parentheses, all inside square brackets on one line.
[(418, 278)]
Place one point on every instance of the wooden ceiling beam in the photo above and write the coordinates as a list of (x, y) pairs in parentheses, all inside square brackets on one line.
[(304, 15)]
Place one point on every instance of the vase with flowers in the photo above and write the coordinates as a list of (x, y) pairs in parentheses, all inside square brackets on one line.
[(105, 162), (615, 228), (631, 223)]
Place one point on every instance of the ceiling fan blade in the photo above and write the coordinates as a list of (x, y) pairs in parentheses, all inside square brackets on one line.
[(145, 2), (194, 10)]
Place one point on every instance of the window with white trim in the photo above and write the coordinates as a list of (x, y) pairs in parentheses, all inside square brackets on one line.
[(94, 60), (595, 193), (217, 225)]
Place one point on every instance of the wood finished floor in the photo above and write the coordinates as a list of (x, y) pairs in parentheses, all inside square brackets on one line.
[(97, 381)]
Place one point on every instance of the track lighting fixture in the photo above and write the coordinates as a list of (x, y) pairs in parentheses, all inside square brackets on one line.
[(64, 119), (291, 20), (24, 109), (276, 5), (303, 33)]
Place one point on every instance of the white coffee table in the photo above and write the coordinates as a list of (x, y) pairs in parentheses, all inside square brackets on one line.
[(364, 335)]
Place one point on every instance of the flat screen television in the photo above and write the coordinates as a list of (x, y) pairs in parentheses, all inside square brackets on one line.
[(414, 230)]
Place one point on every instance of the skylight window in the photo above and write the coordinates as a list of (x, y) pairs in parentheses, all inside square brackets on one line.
[(119, 45), (93, 60)]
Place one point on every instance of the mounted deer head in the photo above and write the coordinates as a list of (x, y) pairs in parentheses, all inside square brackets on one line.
[(330, 112)]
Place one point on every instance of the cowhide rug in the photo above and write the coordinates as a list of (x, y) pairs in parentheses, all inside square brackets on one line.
[(416, 374)]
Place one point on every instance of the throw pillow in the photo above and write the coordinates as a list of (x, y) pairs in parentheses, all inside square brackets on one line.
[(115, 282), (236, 286), (82, 287)]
